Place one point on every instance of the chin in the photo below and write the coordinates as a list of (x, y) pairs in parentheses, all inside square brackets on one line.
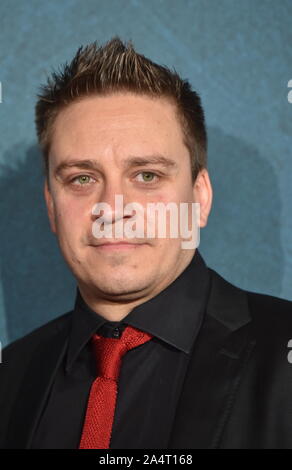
[(121, 285)]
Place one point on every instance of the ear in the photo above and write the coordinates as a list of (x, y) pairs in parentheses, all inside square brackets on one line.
[(50, 206), (203, 194)]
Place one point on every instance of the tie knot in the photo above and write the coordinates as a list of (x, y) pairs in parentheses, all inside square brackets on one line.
[(109, 351)]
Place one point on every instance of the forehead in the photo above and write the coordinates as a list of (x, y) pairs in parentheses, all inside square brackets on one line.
[(122, 123)]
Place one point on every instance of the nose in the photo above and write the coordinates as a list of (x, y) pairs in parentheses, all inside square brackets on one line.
[(111, 202)]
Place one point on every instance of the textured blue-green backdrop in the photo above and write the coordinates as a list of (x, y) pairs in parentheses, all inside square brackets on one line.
[(237, 55)]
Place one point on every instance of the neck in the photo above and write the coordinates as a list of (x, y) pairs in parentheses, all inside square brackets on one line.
[(116, 309), (109, 309)]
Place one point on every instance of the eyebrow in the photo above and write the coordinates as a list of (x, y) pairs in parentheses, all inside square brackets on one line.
[(130, 162)]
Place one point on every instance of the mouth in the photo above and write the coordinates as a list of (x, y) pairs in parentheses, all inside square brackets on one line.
[(120, 246)]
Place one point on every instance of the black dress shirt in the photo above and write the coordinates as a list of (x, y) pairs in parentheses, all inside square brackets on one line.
[(151, 376)]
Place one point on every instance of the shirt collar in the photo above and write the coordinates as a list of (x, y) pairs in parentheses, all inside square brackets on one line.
[(174, 315)]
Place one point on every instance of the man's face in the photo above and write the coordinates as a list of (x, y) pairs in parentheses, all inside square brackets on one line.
[(120, 134)]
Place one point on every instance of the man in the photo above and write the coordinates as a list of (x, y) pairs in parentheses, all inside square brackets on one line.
[(159, 351)]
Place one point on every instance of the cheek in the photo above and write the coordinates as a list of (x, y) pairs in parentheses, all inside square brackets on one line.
[(71, 218)]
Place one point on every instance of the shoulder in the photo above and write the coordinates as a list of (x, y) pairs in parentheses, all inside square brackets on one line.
[(269, 305), (272, 318), (267, 314), (27, 343)]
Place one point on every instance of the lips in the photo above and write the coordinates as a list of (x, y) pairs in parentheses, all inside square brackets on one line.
[(121, 243), (117, 246)]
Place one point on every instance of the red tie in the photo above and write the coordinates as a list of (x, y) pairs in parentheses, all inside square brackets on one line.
[(99, 417)]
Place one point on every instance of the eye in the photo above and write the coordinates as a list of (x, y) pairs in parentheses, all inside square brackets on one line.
[(147, 176), (81, 180)]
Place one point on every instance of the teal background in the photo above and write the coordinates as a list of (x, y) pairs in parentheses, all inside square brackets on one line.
[(237, 55)]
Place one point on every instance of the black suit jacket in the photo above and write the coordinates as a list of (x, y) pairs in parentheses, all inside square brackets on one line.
[(238, 388)]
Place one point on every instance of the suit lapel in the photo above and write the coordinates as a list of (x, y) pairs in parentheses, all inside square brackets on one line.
[(216, 364), (32, 394)]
